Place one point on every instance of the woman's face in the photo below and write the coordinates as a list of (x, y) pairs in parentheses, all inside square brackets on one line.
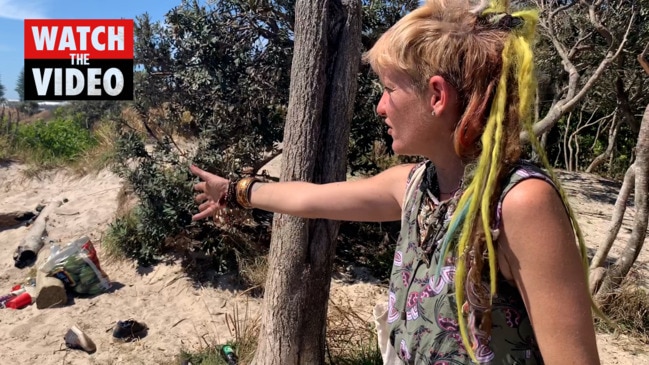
[(407, 115)]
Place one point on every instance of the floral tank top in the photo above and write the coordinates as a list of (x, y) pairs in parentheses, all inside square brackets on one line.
[(422, 314)]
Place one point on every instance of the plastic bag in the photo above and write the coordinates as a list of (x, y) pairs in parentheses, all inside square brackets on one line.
[(77, 266)]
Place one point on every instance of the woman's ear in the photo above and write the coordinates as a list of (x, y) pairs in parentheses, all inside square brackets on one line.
[(442, 95)]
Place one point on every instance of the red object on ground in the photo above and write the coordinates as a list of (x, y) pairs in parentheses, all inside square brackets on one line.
[(20, 301)]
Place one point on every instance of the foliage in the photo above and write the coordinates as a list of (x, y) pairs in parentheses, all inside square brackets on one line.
[(206, 356), (20, 85), (61, 140), (89, 112), (616, 96), (2, 93), (165, 198), (368, 244), (26, 107), (220, 72)]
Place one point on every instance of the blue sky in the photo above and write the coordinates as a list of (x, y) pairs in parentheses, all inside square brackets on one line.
[(13, 12)]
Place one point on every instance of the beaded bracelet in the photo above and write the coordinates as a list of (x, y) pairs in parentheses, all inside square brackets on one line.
[(230, 197)]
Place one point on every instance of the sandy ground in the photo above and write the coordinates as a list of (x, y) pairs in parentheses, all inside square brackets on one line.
[(178, 312)]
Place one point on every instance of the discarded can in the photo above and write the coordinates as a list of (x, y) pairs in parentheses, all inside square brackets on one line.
[(227, 352), (19, 302), (14, 293)]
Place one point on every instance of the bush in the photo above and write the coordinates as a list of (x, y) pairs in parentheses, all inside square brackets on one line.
[(60, 140)]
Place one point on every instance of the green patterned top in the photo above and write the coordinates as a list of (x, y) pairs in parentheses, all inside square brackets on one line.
[(421, 310)]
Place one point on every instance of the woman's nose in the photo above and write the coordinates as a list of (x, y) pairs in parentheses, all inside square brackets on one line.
[(380, 107)]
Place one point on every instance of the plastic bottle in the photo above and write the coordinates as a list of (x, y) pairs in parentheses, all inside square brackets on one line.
[(19, 302), (227, 352)]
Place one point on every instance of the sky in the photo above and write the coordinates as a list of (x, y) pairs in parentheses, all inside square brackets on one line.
[(13, 12)]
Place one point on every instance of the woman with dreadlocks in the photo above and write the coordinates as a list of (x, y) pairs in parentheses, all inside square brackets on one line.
[(486, 269)]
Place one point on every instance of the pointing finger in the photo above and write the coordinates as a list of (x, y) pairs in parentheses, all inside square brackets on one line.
[(198, 172)]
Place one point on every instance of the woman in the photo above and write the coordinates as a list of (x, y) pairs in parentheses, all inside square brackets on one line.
[(486, 268)]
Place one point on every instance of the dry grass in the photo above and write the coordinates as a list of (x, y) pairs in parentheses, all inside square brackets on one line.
[(351, 340), (244, 327), (102, 155), (628, 308), (252, 271)]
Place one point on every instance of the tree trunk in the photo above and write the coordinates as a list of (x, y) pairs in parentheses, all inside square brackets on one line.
[(612, 136), (622, 266), (616, 220), (323, 86)]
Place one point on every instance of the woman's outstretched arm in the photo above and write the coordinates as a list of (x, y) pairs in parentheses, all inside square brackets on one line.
[(375, 199)]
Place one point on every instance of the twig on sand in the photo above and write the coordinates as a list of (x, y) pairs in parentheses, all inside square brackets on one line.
[(177, 323)]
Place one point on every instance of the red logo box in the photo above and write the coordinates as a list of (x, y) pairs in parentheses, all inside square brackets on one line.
[(78, 59)]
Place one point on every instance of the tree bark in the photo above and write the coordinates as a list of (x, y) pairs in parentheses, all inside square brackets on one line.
[(612, 136), (27, 252), (616, 220), (323, 85), (624, 263)]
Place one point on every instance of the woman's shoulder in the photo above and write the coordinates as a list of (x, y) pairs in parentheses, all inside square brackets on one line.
[(524, 170)]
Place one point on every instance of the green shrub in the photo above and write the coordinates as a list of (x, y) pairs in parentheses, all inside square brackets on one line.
[(60, 140)]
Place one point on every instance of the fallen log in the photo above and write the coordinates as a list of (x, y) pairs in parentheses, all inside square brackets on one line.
[(27, 252), (50, 291)]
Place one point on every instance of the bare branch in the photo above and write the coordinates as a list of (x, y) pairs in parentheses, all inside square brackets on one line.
[(643, 60), (600, 69), (594, 20), (577, 47), (561, 8), (573, 97)]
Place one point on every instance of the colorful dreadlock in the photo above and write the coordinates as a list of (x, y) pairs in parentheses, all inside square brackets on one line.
[(474, 213)]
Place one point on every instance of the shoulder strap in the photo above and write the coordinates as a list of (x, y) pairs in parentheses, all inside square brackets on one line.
[(522, 171), (414, 180)]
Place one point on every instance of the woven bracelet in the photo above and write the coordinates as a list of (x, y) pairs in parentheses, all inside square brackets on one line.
[(231, 195)]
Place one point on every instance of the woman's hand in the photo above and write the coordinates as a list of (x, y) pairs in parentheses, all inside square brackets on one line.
[(212, 190)]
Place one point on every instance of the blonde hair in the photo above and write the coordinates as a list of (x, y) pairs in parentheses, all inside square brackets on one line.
[(486, 54)]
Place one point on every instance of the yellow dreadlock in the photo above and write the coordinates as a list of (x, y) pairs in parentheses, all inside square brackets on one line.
[(517, 62)]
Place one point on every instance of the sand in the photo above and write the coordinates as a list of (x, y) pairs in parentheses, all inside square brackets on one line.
[(179, 312)]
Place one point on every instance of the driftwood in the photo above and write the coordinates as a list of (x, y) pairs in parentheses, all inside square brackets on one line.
[(27, 252), (50, 291)]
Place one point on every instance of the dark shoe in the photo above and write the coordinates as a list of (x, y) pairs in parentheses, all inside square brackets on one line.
[(76, 339), (129, 330)]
